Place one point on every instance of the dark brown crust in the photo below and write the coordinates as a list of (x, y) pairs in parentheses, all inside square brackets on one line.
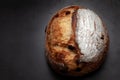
[(57, 60), (56, 63)]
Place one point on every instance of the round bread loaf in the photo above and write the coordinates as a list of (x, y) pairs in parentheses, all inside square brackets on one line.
[(76, 41)]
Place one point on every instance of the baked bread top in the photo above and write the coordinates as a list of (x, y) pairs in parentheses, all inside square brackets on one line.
[(76, 41)]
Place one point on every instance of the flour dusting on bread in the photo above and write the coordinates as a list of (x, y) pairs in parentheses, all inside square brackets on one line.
[(89, 31)]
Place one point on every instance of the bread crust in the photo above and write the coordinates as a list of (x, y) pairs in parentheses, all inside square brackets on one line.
[(62, 50)]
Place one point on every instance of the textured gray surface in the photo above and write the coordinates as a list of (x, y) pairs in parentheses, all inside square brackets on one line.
[(22, 25)]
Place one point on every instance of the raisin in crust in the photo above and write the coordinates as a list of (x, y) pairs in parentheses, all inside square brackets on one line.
[(76, 41)]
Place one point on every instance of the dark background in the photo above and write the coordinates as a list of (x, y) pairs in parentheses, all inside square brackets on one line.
[(22, 38)]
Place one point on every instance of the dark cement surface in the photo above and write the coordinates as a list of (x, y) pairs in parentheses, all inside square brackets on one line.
[(22, 25)]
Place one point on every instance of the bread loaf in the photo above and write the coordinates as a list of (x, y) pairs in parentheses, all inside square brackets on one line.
[(76, 41)]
